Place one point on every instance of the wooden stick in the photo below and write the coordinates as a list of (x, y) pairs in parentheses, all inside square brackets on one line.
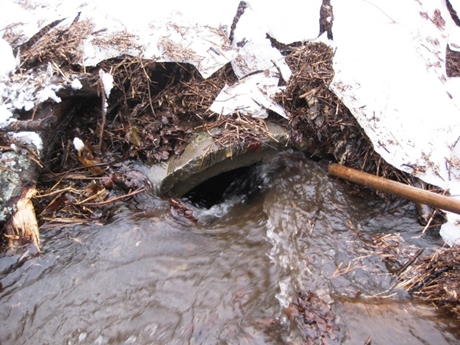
[(45, 124), (392, 187)]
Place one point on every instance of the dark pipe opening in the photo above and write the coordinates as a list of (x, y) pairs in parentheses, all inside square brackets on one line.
[(247, 181), (240, 181)]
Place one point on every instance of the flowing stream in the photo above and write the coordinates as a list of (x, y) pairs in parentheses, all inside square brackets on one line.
[(151, 276)]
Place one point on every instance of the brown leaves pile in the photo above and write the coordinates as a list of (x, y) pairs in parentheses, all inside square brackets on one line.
[(162, 104), (319, 325)]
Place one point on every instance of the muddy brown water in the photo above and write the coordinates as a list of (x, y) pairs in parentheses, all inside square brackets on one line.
[(154, 277)]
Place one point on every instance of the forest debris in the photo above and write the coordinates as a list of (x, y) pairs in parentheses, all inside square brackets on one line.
[(129, 180), (392, 249), (86, 157), (45, 124), (53, 43), (88, 200), (115, 199), (435, 279), (315, 319), (181, 209), (320, 119), (452, 63), (192, 94), (240, 132), (23, 224), (432, 278), (317, 115)]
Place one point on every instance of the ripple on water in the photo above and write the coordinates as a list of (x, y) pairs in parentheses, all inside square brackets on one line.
[(163, 279)]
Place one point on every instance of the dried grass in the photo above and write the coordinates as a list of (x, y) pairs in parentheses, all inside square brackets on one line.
[(239, 132), (452, 63), (189, 93), (393, 250), (123, 41), (435, 279), (317, 115), (54, 44)]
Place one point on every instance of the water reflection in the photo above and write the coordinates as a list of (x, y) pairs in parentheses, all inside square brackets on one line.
[(154, 277)]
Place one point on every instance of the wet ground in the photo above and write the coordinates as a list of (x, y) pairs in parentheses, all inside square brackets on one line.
[(152, 276)]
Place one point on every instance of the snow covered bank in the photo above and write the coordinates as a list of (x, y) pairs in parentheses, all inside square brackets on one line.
[(390, 68), (390, 71)]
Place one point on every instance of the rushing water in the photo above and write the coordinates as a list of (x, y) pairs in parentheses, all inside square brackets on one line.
[(152, 276)]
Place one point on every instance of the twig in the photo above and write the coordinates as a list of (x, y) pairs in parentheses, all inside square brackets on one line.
[(429, 221), (67, 189), (410, 262), (103, 203), (104, 109), (148, 86), (94, 196), (62, 175), (394, 22), (66, 220)]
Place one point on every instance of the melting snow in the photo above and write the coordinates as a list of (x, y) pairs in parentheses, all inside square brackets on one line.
[(107, 82), (7, 59), (76, 84), (28, 138), (390, 72)]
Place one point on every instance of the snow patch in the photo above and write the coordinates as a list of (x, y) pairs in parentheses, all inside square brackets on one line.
[(7, 59), (255, 52), (290, 20), (107, 82), (49, 92), (78, 143), (25, 91), (28, 138), (6, 116), (251, 96), (390, 72), (76, 84)]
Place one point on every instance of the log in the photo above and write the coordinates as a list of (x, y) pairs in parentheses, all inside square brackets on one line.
[(417, 195)]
